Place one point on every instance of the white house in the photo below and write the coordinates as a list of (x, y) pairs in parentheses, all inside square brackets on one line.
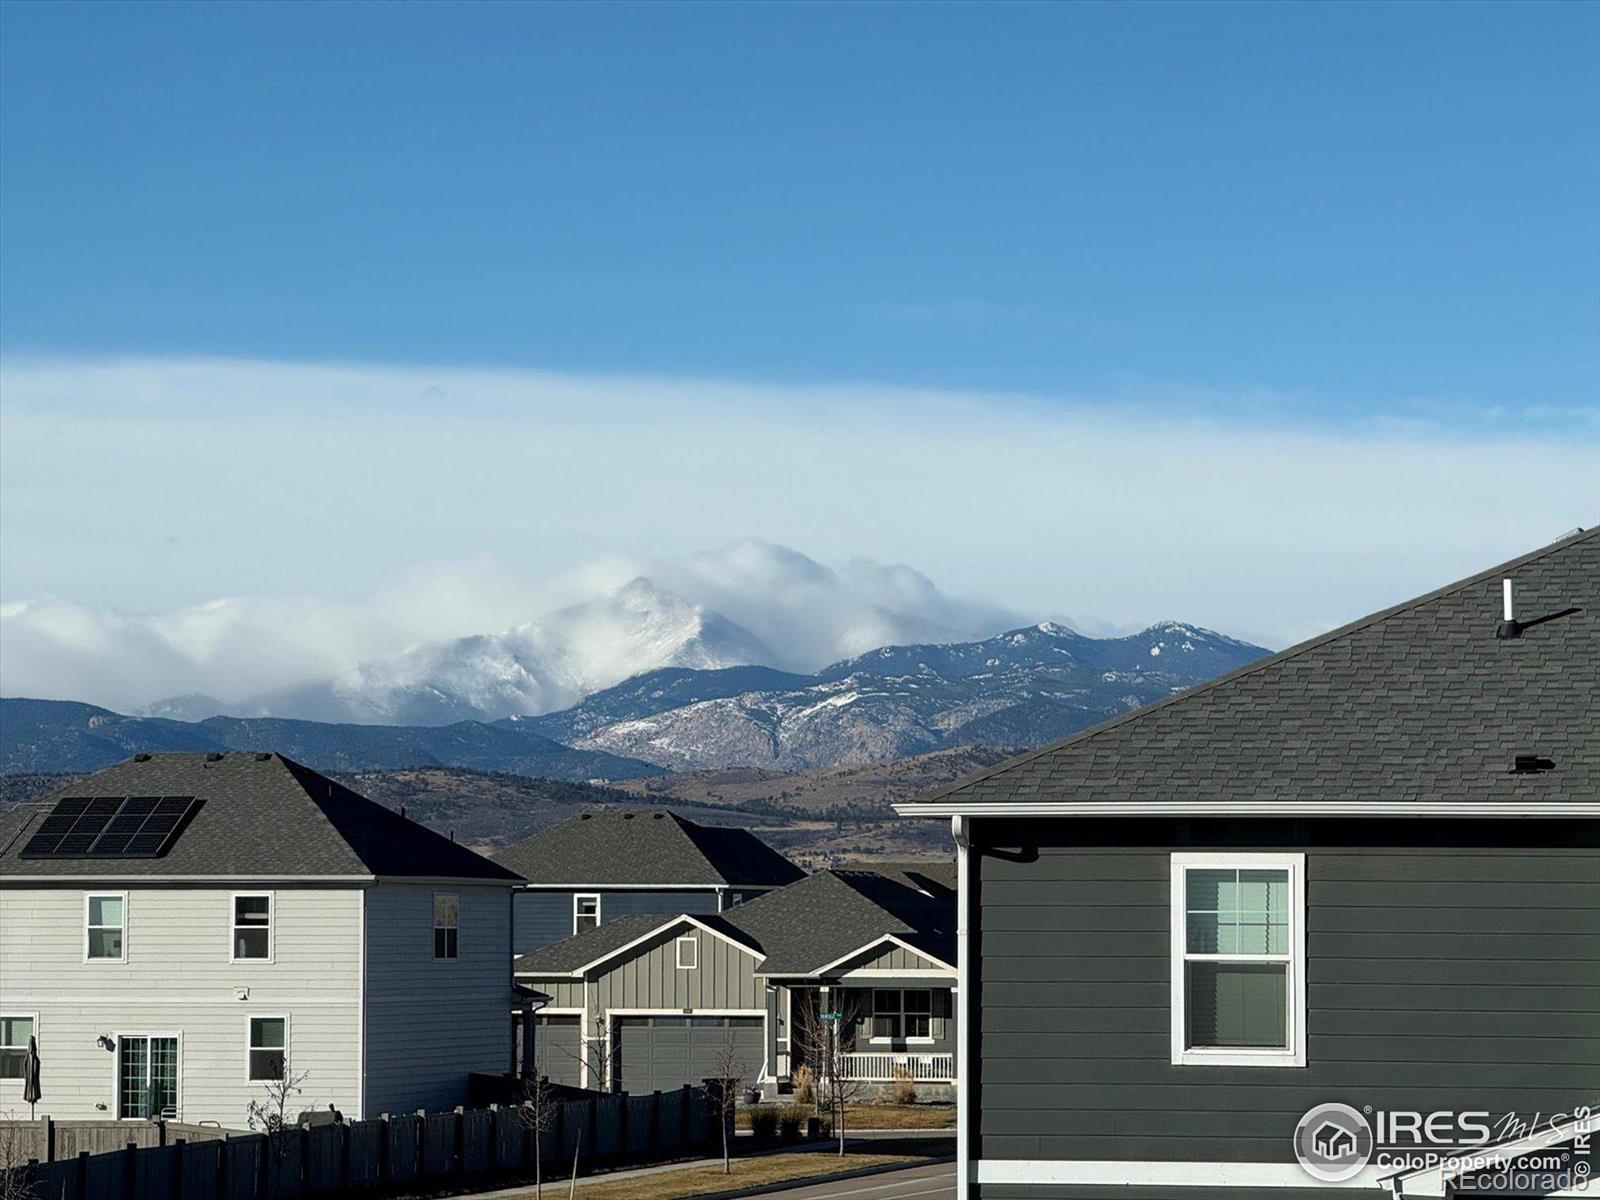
[(175, 928)]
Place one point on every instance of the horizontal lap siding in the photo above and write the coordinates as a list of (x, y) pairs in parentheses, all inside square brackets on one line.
[(1443, 971), (178, 980), (544, 916)]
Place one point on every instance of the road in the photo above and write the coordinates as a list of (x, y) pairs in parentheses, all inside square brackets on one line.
[(936, 1181)]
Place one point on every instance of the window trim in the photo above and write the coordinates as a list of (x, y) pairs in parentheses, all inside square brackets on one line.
[(101, 959), (249, 1042), (433, 920), (687, 939), (116, 1069), (1238, 1056), (576, 897), (16, 1014), (234, 927), (901, 1015)]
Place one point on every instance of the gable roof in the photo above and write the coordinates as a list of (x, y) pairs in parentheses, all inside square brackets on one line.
[(1420, 707), (260, 816), (637, 847), (794, 930)]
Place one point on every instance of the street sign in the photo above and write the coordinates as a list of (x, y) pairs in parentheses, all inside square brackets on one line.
[(833, 1016)]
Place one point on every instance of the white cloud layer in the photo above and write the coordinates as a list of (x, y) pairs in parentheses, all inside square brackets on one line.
[(235, 527)]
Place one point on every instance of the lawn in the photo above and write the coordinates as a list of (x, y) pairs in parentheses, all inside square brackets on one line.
[(885, 1116), (746, 1173)]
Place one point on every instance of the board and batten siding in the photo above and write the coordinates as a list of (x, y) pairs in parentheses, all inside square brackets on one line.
[(545, 915), (649, 977), (1450, 965), (431, 1022), (178, 980)]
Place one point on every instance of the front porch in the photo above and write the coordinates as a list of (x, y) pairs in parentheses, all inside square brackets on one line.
[(889, 1033)]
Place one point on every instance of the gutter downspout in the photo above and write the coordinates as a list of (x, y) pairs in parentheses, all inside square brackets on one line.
[(961, 831)]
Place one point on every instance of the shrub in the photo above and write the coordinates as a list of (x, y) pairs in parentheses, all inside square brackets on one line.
[(789, 1122), (805, 1085), (764, 1123), (905, 1088)]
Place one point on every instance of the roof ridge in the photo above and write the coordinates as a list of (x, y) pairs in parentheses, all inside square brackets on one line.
[(1565, 541)]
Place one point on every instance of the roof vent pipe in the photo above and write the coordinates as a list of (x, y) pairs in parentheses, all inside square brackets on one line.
[(1509, 626)]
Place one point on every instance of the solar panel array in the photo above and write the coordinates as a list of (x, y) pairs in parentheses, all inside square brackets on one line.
[(111, 827)]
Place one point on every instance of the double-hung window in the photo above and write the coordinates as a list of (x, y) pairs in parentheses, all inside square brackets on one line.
[(105, 923), (252, 927), (15, 1030), (902, 1014), (269, 1048), (446, 925), (1238, 960), (585, 911)]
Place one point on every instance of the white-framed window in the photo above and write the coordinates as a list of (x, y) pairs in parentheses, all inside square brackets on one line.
[(148, 1079), (688, 953), (105, 927), (585, 911), (446, 925), (1238, 960), (15, 1030), (251, 935), (269, 1048), (902, 1014)]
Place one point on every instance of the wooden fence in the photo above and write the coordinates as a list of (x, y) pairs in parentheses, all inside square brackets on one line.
[(392, 1153)]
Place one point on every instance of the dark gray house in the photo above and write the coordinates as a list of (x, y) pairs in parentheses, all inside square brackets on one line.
[(649, 1002), (598, 866), (1365, 870)]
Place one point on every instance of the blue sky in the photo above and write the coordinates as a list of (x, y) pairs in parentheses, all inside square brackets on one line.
[(1270, 211), (1259, 316)]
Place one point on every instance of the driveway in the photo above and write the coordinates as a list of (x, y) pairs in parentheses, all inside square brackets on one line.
[(935, 1181)]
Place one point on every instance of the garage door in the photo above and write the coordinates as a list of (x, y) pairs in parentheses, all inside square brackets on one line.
[(555, 1050), (661, 1053)]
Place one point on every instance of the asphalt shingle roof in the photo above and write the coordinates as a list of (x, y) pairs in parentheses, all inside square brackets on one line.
[(638, 847), (797, 929), (260, 815), (1420, 702)]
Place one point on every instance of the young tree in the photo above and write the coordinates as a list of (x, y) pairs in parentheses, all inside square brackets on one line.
[(15, 1183), (824, 1032), (728, 1072), (271, 1116), (536, 1111)]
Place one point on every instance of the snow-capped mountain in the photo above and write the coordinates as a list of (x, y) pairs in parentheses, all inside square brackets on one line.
[(1021, 688), (546, 664)]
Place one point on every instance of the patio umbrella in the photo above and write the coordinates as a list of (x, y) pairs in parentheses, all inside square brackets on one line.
[(30, 1076)]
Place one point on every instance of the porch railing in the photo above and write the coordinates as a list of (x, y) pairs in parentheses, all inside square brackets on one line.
[(881, 1067)]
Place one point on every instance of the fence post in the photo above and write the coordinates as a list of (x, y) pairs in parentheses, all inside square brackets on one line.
[(655, 1120), (305, 1160), (175, 1165), (594, 1124), (685, 1122), (82, 1188), (422, 1144), (625, 1106), (130, 1171), (458, 1160), (383, 1149), (49, 1139), (221, 1184), (344, 1156)]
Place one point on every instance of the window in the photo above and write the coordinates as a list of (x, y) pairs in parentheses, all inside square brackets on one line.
[(902, 1014), (585, 912), (688, 953), (1238, 959), (104, 926), (15, 1030), (269, 1047), (446, 925), (252, 927)]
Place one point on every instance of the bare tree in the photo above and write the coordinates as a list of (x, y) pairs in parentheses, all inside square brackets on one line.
[(15, 1181), (536, 1111), (271, 1116), (729, 1070), (824, 1037)]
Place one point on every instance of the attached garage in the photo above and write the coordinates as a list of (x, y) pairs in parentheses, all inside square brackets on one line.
[(651, 1054), (556, 1049)]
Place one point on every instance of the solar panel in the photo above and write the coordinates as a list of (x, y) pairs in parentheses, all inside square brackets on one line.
[(111, 827)]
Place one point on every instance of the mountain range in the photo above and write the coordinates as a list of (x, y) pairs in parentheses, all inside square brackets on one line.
[(1021, 688)]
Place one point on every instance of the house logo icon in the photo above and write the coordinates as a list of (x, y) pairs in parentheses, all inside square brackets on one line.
[(1333, 1142)]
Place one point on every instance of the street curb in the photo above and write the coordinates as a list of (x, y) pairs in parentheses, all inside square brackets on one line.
[(812, 1180)]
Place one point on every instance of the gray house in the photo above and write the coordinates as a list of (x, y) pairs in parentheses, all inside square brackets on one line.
[(651, 1002), (179, 929), (598, 866), (1364, 870)]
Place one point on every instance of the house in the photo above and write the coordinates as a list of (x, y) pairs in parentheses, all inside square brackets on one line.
[(598, 866), (179, 929), (1364, 870), (652, 1001)]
